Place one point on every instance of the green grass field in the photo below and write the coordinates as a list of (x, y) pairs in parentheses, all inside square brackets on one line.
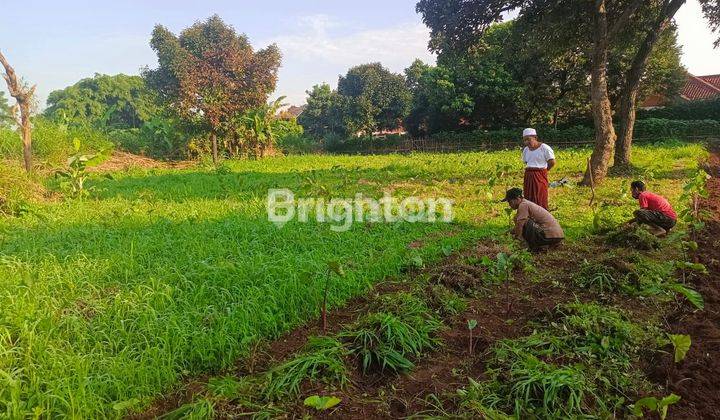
[(109, 301)]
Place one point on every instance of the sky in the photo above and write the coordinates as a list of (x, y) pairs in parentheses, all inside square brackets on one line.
[(55, 43)]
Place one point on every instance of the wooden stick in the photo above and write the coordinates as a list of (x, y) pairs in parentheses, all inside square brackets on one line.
[(592, 183)]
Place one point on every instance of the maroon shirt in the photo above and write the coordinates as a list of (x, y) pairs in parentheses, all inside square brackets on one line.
[(650, 201)]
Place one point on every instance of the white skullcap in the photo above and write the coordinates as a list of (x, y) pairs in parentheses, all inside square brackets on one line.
[(529, 132)]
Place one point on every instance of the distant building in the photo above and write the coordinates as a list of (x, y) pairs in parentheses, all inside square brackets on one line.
[(697, 88), (292, 111)]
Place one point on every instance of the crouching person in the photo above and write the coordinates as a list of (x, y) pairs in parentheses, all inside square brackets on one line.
[(533, 223), (655, 211)]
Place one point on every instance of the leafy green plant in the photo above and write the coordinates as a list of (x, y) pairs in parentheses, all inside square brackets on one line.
[(321, 403), (598, 277), (654, 404), (76, 173), (386, 340), (691, 295), (681, 344), (471, 325), (321, 360)]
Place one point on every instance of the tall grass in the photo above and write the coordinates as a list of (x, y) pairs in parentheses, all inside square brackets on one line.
[(108, 301)]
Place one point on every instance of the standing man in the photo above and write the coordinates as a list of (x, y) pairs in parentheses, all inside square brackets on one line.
[(655, 211), (539, 158), (533, 223)]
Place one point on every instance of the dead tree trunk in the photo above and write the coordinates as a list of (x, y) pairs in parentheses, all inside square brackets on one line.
[(602, 112), (628, 96), (23, 95)]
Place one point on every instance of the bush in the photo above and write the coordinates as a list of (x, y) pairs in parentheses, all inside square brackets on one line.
[(693, 110), (52, 142)]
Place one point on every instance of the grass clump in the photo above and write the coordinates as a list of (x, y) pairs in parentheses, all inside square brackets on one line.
[(391, 338), (578, 365), (633, 237), (445, 301), (322, 360)]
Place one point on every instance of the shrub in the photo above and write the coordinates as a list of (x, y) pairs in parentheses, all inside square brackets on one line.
[(692, 110), (53, 142)]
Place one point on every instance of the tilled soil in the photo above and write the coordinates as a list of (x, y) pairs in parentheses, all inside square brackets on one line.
[(697, 378)]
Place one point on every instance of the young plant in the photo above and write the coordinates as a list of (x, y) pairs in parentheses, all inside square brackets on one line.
[(403, 329), (654, 404), (322, 360), (321, 403), (471, 324), (500, 271), (681, 344), (76, 171), (334, 267)]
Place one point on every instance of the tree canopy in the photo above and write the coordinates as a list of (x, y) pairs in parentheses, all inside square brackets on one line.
[(103, 101), (210, 74), (594, 30), (377, 99)]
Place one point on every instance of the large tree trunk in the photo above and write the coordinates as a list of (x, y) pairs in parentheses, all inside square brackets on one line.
[(213, 141), (602, 112), (628, 96), (24, 96)]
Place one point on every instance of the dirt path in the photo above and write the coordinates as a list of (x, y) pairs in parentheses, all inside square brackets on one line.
[(697, 378)]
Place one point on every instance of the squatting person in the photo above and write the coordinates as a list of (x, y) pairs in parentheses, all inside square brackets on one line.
[(533, 223), (655, 211), (539, 158)]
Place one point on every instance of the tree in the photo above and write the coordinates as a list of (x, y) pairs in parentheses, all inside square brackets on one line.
[(211, 74), (23, 94), (6, 117), (376, 98), (104, 101), (324, 113), (595, 27)]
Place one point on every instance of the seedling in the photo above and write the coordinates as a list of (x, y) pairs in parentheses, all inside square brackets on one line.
[(681, 343), (321, 403), (334, 267), (653, 404), (471, 324)]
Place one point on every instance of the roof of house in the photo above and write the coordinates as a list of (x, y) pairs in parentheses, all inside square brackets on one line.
[(701, 87)]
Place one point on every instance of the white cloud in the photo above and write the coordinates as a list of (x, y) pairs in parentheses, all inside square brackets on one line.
[(323, 48)]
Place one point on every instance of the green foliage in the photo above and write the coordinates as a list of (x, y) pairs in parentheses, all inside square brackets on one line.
[(104, 102), (210, 75), (323, 115), (447, 302), (75, 173), (321, 403), (654, 404), (202, 409), (691, 295), (53, 142), (169, 273), (633, 237), (6, 118), (577, 363), (597, 277), (376, 99), (685, 110), (681, 344), (391, 338), (321, 360)]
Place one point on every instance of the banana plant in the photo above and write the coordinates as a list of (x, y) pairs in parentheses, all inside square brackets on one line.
[(76, 171)]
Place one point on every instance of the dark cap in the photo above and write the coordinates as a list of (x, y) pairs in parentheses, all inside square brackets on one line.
[(512, 194)]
